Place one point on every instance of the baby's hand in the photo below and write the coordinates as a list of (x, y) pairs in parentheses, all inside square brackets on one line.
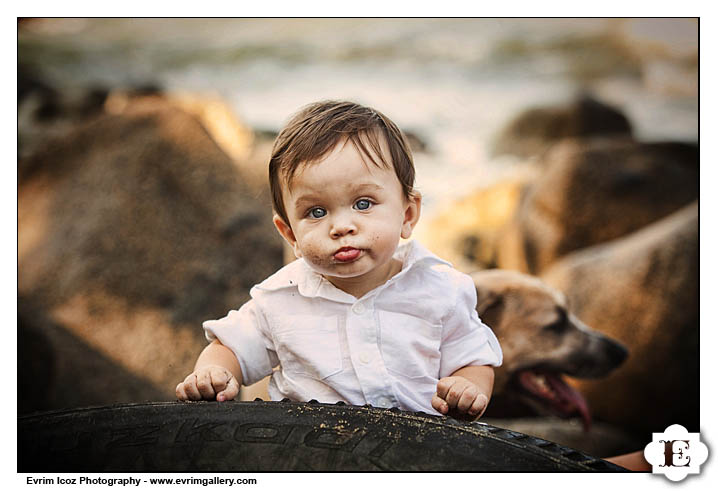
[(208, 383), (460, 394)]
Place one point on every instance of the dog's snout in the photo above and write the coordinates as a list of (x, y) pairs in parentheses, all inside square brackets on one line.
[(606, 355), (596, 356), (615, 352)]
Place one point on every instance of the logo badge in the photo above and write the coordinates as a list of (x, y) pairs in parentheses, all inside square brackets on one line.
[(676, 453)]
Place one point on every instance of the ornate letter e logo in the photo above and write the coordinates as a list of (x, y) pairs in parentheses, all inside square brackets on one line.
[(676, 453)]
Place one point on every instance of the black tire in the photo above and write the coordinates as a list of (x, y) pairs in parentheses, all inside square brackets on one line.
[(278, 436)]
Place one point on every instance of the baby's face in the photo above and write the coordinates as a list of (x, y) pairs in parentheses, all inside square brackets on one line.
[(346, 217)]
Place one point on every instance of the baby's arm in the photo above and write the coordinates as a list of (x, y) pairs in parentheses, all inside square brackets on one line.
[(467, 390), (217, 375)]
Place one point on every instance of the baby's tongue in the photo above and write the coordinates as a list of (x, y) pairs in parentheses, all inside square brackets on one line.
[(346, 254)]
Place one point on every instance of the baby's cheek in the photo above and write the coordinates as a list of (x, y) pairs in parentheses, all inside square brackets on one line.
[(313, 256), (385, 244)]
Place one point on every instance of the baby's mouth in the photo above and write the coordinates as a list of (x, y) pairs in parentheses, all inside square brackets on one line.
[(347, 254)]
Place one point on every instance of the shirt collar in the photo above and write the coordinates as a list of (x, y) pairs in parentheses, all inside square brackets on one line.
[(298, 274)]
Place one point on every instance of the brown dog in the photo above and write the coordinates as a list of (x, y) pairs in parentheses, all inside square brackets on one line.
[(541, 341)]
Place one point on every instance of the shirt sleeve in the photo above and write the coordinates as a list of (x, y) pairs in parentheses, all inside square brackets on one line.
[(466, 341), (243, 331)]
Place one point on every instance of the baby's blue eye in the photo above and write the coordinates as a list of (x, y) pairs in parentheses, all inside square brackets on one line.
[(362, 204), (317, 212)]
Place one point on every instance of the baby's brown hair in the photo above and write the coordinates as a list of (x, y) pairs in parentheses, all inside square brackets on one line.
[(317, 128)]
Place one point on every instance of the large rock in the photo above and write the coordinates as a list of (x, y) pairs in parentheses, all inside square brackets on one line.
[(465, 233), (535, 130), (44, 111), (57, 369), (643, 291), (595, 191), (132, 230)]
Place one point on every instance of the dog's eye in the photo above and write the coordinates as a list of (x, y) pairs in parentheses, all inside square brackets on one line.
[(556, 327), (559, 325)]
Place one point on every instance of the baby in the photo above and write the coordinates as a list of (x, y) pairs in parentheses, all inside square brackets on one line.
[(357, 317)]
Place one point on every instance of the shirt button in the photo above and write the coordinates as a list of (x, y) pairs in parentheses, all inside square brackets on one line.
[(364, 358), (383, 402), (358, 309)]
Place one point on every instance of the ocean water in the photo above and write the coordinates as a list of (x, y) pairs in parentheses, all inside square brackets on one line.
[(452, 82)]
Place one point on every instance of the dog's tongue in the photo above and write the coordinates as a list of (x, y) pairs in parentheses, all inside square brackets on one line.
[(552, 390), (569, 400)]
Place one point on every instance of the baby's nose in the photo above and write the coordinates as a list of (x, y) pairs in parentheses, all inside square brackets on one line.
[(341, 228)]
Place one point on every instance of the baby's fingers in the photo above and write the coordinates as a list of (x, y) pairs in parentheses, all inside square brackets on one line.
[(187, 389), (479, 406), (439, 404), (224, 384), (204, 385), (467, 398), (444, 386), (230, 392), (219, 378), (180, 392), (455, 392)]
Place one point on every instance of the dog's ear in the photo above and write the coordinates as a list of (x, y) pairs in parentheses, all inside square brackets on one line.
[(489, 306)]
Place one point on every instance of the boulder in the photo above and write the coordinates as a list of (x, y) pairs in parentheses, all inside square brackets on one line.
[(133, 229), (45, 111), (595, 191), (465, 232), (57, 369), (642, 290), (216, 116), (535, 130)]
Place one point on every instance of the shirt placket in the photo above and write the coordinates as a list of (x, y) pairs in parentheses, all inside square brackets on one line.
[(366, 357)]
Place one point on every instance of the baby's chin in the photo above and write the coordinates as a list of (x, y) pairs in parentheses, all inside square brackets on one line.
[(339, 270), (342, 271)]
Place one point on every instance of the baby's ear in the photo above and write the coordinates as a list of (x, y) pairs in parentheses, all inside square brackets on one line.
[(412, 211), (286, 232)]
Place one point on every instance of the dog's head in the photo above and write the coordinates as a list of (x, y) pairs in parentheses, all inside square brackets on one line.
[(541, 341)]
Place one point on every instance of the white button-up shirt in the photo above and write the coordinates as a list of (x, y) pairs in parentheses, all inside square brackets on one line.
[(388, 348)]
